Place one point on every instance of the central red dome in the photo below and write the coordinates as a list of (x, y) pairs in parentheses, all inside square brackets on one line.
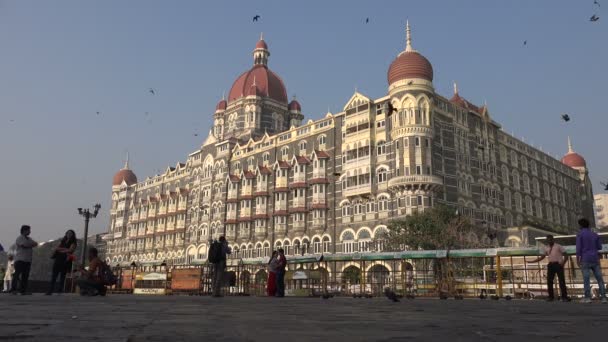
[(410, 64), (259, 80), (267, 84)]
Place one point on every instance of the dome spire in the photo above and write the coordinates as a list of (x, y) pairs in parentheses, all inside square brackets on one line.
[(408, 38), (126, 167), (570, 149), (455, 88)]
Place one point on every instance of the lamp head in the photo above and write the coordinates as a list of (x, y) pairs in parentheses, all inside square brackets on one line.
[(80, 211)]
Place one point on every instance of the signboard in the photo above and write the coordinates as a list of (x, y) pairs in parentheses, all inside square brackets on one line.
[(491, 252), (149, 291), (299, 275), (186, 279)]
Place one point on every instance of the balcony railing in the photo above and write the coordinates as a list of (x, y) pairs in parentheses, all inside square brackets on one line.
[(415, 180), (357, 190)]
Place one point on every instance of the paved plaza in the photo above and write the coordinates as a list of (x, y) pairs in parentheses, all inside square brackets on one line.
[(193, 318)]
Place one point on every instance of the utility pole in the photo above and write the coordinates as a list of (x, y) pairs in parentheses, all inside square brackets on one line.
[(87, 214)]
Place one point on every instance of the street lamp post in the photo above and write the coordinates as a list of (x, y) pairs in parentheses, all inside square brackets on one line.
[(87, 214)]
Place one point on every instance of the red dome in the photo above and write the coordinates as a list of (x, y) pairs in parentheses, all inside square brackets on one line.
[(221, 105), (574, 159), (261, 44), (295, 105), (267, 83), (126, 175), (410, 64)]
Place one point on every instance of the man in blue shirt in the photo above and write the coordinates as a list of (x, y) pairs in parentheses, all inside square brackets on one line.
[(587, 246)]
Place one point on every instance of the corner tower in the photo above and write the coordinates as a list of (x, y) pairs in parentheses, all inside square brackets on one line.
[(410, 79)]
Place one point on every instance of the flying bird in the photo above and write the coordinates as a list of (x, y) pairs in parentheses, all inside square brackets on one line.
[(152, 91), (256, 17), (12, 120), (390, 109), (525, 42), (98, 113), (566, 117), (367, 20), (596, 3), (605, 185), (196, 134), (594, 18)]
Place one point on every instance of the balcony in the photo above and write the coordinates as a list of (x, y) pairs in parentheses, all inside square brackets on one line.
[(280, 229), (261, 187), (422, 182), (246, 191), (261, 210), (357, 190), (172, 208), (298, 227), (357, 162), (260, 232), (181, 224), (318, 173), (232, 194), (281, 182)]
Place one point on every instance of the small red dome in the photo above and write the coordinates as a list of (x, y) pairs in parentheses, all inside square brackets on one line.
[(261, 44), (267, 83), (295, 105), (410, 64), (126, 175), (574, 159), (221, 105)]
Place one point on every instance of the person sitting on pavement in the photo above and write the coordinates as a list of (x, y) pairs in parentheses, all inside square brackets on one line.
[(90, 282)]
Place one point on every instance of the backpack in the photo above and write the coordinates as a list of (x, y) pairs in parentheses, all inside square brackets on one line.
[(107, 276), (215, 252)]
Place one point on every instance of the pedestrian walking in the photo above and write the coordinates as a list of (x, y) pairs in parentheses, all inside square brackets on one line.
[(23, 260), (281, 265), (218, 252), (588, 245), (556, 254), (271, 284), (8, 275), (62, 261)]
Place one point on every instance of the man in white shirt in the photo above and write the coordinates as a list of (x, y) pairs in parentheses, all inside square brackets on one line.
[(556, 254), (23, 260)]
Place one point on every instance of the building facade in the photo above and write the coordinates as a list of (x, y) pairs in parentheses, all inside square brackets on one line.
[(266, 179), (601, 210)]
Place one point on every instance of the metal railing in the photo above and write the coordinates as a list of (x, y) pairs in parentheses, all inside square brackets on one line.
[(468, 273)]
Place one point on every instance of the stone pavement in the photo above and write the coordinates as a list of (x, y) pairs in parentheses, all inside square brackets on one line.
[(192, 318)]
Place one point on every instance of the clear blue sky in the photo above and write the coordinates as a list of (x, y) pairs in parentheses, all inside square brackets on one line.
[(63, 61)]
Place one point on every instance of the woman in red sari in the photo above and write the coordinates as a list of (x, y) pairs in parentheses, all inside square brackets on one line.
[(271, 284)]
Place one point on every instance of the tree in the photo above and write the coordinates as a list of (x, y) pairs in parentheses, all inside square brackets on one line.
[(437, 228)]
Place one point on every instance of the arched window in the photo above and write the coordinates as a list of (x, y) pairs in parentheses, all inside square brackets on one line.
[(515, 179), (302, 147), (326, 244), (505, 174), (348, 242), (518, 204), (383, 201), (316, 245), (507, 197), (266, 157), (382, 175), (539, 208), (285, 152), (321, 140), (381, 147)]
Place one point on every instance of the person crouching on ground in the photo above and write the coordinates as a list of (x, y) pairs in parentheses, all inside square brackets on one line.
[(90, 282), (62, 263), (557, 259)]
